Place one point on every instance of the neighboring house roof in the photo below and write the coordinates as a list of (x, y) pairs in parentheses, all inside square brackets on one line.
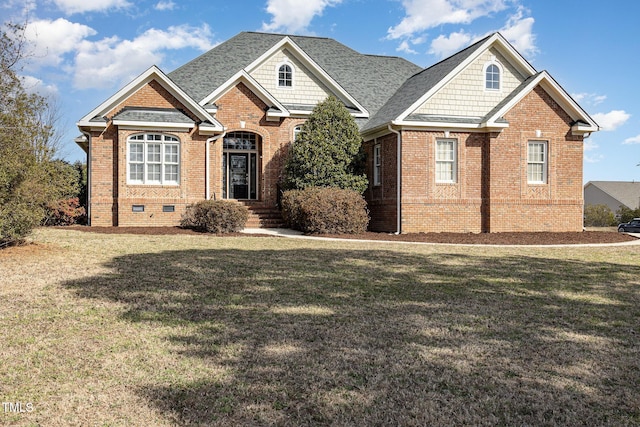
[(624, 192)]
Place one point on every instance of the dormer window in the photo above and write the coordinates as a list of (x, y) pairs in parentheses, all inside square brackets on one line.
[(492, 77), (285, 76)]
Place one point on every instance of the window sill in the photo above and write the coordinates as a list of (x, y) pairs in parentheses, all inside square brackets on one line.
[(136, 184)]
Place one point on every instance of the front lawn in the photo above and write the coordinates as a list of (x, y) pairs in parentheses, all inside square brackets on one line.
[(147, 330)]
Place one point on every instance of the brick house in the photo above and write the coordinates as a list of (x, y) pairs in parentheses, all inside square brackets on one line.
[(479, 142)]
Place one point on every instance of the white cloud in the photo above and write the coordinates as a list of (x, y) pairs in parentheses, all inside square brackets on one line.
[(163, 5), (591, 99), (111, 61), (51, 40), (81, 6), (633, 140), (294, 16), (422, 15), (444, 46), (405, 47), (611, 120), (590, 157), (519, 32), (35, 85), (24, 7)]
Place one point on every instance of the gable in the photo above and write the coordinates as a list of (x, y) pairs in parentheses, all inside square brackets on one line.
[(620, 192), (307, 89), (465, 94), (155, 93)]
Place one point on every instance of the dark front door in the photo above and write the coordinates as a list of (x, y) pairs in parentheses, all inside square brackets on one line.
[(238, 176), (240, 166)]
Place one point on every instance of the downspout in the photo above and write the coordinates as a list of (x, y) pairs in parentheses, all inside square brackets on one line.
[(207, 163), (88, 136), (398, 180)]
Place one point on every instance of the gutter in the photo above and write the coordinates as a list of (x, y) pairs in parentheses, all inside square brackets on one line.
[(398, 180), (207, 163)]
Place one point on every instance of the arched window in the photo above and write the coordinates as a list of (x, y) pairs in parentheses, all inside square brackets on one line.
[(296, 132), (492, 77), (153, 159), (285, 76)]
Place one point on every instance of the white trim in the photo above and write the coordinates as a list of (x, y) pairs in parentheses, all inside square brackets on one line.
[(306, 61), (293, 74), (495, 62), (145, 161), (558, 94), (156, 126), (453, 162), (377, 164), (496, 39), (243, 76), (151, 74), (439, 126), (545, 161)]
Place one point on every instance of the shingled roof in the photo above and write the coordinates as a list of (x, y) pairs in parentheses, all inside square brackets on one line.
[(370, 79), (416, 86), (625, 192)]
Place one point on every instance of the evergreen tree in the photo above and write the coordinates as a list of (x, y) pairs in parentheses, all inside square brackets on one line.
[(27, 145), (326, 152)]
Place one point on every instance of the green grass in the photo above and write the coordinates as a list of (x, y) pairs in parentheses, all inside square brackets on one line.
[(202, 330)]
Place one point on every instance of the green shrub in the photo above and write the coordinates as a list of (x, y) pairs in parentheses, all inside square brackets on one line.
[(327, 152), (215, 216), (598, 216), (325, 211)]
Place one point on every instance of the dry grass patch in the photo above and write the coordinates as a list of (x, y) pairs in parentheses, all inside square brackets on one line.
[(190, 329)]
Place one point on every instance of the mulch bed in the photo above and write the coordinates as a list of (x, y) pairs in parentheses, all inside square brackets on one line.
[(541, 238)]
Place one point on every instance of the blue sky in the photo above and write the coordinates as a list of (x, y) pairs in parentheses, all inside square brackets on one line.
[(83, 51)]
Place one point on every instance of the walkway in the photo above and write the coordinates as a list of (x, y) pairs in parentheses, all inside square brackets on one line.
[(294, 234)]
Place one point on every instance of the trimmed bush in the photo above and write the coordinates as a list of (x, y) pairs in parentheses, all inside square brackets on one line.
[(325, 211), (64, 212), (215, 216)]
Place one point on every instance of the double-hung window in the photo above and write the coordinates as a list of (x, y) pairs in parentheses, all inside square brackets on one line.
[(537, 162), (153, 159), (377, 165), (446, 160)]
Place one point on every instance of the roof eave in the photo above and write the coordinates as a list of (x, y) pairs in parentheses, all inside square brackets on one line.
[(582, 129), (158, 126)]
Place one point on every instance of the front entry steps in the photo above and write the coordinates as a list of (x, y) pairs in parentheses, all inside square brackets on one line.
[(261, 216)]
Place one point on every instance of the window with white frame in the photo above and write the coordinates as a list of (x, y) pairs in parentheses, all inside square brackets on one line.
[(492, 77), (537, 162), (285, 76), (296, 132), (446, 160), (377, 165), (153, 159)]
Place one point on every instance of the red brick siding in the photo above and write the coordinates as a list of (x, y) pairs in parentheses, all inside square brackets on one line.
[(112, 198), (382, 199), (491, 192)]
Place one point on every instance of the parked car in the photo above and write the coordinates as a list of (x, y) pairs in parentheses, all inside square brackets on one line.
[(632, 226)]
